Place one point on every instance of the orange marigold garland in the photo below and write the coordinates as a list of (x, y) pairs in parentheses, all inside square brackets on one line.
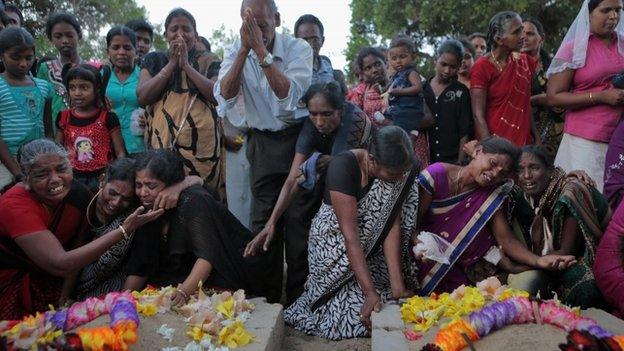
[(46, 329)]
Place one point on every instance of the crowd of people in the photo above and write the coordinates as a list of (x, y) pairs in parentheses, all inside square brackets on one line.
[(183, 168)]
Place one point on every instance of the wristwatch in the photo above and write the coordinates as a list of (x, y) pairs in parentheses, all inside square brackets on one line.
[(267, 61)]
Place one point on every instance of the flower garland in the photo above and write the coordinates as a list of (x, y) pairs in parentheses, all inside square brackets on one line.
[(515, 310), (215, 320), (46, 329), (425, 312)]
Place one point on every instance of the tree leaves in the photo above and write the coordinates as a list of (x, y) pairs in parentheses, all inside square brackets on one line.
[(374, 22), (94, 16)]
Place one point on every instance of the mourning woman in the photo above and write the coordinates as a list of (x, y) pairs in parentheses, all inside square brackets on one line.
[(358, 245), (198, 240), (558, 214), (180, 105), (110, 206), (333, 126), (465, 205), (40, 220)]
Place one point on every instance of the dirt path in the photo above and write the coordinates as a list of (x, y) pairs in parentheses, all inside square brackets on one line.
[(297, 341)]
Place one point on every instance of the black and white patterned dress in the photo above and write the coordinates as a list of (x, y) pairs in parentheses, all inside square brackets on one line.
[(339, 316), (106, 274)]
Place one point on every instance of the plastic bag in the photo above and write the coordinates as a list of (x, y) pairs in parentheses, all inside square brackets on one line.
[(433, 247), (136, 126)]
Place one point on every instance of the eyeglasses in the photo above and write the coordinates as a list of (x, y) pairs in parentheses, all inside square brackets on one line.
[(313, 39)]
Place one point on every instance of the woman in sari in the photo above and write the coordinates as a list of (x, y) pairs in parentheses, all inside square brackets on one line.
[(197, 241), (464, 205), (107, 210), (334, 126), (40, 222), (580, 80), (500, 84), (180, 104), (558, 214), (614, 168), (367, 95), (609, 263), (358, 244)]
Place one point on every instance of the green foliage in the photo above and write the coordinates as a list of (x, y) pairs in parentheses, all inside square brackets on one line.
[(374, 22), (220, 39), (94, 16)]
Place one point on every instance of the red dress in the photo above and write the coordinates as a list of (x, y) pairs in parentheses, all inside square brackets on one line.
[(508, 105), (24, 287), (89, 146)]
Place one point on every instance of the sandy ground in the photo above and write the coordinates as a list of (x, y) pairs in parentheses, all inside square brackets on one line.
[(297, 341)]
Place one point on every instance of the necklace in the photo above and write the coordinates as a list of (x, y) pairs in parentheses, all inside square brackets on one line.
[(498, 64), (89, 210)]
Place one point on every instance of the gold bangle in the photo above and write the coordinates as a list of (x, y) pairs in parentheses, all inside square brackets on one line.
[(123, 232), (591, 99)]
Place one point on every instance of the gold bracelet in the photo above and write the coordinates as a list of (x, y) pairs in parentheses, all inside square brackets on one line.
[(123, 232), (591, 99)]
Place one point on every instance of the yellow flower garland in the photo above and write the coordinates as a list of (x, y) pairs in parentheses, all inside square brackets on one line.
[(425, 312)]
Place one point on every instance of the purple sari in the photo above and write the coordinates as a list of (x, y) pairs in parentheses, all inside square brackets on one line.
[(461, 220), (614, 168)]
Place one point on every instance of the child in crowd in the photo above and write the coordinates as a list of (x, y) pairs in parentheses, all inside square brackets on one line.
[(405, 98), (89, 132), (23, 100), (64, 31), (367, 95), (449, 100)]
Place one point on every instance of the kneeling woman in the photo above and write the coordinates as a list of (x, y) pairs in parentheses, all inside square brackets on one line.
[(199, 240), (464, 205), (359, 238), (558, 214)]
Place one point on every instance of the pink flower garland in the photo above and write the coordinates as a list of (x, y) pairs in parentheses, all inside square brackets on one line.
[(516, 310)]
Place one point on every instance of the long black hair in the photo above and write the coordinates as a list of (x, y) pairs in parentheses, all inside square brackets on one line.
[(91, 74), (121, 31), (164, 165)]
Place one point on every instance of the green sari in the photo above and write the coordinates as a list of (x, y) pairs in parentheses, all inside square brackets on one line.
[(565, 197)]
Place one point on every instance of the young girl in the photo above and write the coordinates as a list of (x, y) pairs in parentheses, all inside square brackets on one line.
[(449, 100), (405, 98), (23, 100), (65, 33), (89, 132)]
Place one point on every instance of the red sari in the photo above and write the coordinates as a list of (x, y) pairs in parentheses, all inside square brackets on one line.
[(508, 105), (24, 287)]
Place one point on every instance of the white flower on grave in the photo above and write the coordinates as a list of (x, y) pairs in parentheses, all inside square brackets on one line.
[(166, 332), (193, 346), (170, 349), (244, 316)]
